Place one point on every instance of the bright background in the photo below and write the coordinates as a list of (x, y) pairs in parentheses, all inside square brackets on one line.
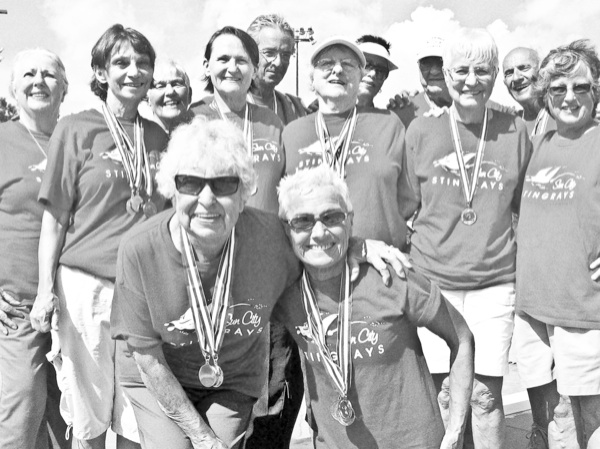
[(179, 29)]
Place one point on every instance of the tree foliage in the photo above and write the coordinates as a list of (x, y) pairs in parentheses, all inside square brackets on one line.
[(7, 110)]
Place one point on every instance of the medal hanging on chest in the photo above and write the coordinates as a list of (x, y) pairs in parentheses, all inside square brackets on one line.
[(338, 371), (468, 216), (135, 163), (335, 154), (209, 317), (248, 132)]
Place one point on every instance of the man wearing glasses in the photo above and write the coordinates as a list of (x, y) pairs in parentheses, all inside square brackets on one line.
[(378, 67), (275, 40)]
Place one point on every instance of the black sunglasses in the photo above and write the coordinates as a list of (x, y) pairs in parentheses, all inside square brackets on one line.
[(220, 186), (306, 222)]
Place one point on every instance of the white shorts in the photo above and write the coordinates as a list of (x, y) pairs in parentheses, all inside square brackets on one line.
[(84, 358), (489, 312), (569, 355)]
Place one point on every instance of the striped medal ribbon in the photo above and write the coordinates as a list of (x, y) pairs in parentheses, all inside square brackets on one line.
[(336, 154), (248, 132), (338, 371), (209, 316)]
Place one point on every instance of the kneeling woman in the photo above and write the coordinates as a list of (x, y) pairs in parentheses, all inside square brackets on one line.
[(367, 380)]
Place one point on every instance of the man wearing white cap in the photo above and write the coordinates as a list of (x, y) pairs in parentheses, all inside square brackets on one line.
[(365, 145), (378, 67)]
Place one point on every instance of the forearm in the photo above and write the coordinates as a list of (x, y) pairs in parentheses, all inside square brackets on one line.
[(168, 392), (51, 242)]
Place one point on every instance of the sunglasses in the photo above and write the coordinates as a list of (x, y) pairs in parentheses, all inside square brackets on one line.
[(578, 89), (380, 71), (220, 186), (306, 222)]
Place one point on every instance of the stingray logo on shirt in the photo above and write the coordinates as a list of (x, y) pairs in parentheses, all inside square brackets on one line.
[(551, 184), (113, 155), (490, 176), (38, 168), (358, 153), (365, 339), (264, 150)]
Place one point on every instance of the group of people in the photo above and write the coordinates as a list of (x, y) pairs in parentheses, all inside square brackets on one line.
[(194, 270)]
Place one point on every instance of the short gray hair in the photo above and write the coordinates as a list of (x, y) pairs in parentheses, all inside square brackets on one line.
[(305, 182), (178, 68), (270, 21), (476, 44), (41, 51), (207, 143)]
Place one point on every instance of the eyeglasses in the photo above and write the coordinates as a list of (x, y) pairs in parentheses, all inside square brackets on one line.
[(460, 74), (220, 186), (327, 65), (381, 72), (175, 84), (305, 222), (271, 55), (578, 89), (429, 62)]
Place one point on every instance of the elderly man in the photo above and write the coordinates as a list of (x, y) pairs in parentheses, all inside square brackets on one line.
[(170, 95), (378, 67), (520, 68), (364, 145), (467, 166), (275, 40)]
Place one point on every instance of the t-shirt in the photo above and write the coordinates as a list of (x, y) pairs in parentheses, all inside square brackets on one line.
[(85, 176), (22, 164), (457, 256), (151, 306), (375, 169), (391, 389), (559, 232), (267, 150)]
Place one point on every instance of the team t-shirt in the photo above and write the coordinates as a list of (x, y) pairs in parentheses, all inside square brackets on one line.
[(559, 232), (391, 389), (22, 164), (267, 150), (85, 175), (457, 256), (151, 306), (375, 169)]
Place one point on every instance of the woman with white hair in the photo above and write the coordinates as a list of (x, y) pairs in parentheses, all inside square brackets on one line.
[(467, 168), (39, 85), (366, 377)]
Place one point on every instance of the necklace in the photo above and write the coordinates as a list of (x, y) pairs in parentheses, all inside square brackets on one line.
[(36, 142)]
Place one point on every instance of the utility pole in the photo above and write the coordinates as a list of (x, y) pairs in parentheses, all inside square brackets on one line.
[(301, 35)]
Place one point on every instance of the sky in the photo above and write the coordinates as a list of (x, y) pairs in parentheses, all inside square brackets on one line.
[(179, 29)]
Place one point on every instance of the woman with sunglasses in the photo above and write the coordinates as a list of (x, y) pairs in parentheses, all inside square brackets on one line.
[(558, 288), (467, 167), (98, 184), (377, 69), (366, 377), (231, 59)]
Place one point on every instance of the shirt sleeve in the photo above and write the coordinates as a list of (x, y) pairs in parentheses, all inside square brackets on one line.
[(423, 299), (524, 154), (409, 168)]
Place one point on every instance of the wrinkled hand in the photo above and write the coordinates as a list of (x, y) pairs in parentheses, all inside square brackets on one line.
[(452, 440), (399, 101), (8, 310), (44, 314), (595, 265), (376, 253), (210, 442)]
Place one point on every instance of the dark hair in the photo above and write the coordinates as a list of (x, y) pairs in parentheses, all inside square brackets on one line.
[(110, 41), (375, 40), (247, 42), (562, 61)]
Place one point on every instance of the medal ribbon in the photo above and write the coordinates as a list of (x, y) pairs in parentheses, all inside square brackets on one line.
[(336, 155), (209, 320), (469, 188), (541, 122), (133, 154), (338, 371), (248, 132)]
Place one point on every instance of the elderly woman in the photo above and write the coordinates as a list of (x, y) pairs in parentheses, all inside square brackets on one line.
[(230, 62), (98, 184), (170, 95), (365, 146), (377, 68), (359, 339), (467, 168), (558, 307), (39, 85)]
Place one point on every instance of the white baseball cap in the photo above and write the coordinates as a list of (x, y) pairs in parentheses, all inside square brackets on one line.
[(434, 46), (338, 40)]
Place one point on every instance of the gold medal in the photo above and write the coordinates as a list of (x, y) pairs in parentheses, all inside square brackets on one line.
[(149, 209), (134, 204), (209, 375), (343, 412)]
